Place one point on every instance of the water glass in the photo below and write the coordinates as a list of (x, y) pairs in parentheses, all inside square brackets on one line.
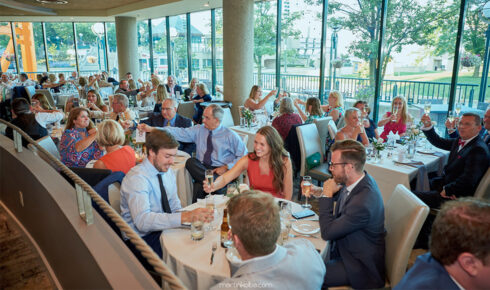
[(242, 122), (231, 189), (285, 229), (197, 229), (285, 208)]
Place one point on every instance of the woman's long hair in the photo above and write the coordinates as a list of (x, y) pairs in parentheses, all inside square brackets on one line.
[(276, 157), (43, 101), (316, 107), (253, 92), (98, 101), (161, 94), (405, 117), (74, 113)]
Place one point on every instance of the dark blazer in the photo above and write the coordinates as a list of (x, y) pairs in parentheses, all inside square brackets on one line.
[(156, 120), (464, 169), (177, 88), (28, 123), (427, 273), (359, 233), (482, 134)]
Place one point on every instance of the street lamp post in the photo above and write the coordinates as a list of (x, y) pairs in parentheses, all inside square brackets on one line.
[(333, 55), (485, 15), (98, 30)]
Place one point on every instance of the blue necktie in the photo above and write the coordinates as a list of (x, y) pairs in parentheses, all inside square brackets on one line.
[(207, 155), (342, 197)]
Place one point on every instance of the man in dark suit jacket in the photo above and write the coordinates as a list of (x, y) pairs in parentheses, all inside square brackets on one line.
[(169, 117), (459, 251), (172, 87), (484, 132), (352, 220), (468, 161)]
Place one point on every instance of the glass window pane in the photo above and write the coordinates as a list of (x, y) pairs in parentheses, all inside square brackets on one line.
[(90, 47), (219, 46), (265, 14), (201, 47), (113, 69), (61, 49), (143, 49), (471, 63), (159, 38), (301, 28), (419, 46), (178, 43), (30, 47), (7, 48)]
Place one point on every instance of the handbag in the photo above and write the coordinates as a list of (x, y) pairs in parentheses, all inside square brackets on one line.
[(313, 160)]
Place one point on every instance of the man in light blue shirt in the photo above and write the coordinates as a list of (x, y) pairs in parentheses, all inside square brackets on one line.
[(149, 200), (218, 147)]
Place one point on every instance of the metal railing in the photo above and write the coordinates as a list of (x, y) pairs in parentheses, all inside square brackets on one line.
[(85, 194)]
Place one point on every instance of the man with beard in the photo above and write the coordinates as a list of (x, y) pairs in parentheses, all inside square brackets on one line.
[(352, 219)]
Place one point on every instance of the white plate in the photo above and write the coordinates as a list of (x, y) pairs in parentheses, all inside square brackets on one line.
[(306, 227)]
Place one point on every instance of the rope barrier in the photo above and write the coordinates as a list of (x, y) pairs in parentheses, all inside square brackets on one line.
[(160, 267)]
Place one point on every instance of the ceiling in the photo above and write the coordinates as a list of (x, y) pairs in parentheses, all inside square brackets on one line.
[(99, 10)]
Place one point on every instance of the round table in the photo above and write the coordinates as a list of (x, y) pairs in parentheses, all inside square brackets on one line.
[(190, 260)]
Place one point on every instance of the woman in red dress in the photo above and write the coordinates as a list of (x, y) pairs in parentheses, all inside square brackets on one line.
[(395, 121), (268, 167)]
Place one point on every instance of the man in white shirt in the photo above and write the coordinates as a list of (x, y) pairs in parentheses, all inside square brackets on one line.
[(255, 226)]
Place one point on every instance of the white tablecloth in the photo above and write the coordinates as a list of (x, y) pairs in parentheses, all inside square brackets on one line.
[(251, 135), (189, 259), (184, 179), (388, 174)]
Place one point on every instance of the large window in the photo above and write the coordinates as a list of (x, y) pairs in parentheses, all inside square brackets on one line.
[(201, 47), (159, 38), (30, 47), (143, 49), (112, 50), (301, 27), (178, 43), (6, 48), (265, 27), (61, 48), (90, 47), (219, 46)]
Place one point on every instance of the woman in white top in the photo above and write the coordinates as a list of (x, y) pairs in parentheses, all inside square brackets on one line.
[(254, 102)]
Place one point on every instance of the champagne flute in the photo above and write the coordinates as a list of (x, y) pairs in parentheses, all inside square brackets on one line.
[(427, 108), (305, 188), (209, 176), (395, 113), (450, 116), (457, 109)]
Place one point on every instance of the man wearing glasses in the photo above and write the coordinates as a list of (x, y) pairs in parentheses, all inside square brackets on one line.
[(352, 219), (169, 117)]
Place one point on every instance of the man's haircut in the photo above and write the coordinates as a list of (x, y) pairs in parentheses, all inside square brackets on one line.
[(159, 139), (461, 226), (475, 116), (351, 152), (254, 218), (20, 106), (122, 99), (218, 112), (24, 75)]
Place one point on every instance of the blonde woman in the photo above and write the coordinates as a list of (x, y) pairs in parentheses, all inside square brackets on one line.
[(190, 92), (396, 120), (132, 85), (110, 135), (94, 102), (354, 128), (40, 100), (335, 107), (254, 102)]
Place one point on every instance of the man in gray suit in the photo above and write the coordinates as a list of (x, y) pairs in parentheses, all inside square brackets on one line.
[(355, 225), (255, 226)]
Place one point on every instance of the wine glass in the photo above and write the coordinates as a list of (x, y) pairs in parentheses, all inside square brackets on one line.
[(395, 113), (427, 108), (451, 116), (457, 109), (305, 188)]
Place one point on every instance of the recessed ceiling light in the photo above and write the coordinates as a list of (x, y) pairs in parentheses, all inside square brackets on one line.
[(58, 2)]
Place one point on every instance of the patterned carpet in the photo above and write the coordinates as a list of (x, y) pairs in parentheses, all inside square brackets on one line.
[(20, 265)]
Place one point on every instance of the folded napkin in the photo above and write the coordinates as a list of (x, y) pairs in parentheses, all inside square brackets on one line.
[(422, 177), (440, 161)]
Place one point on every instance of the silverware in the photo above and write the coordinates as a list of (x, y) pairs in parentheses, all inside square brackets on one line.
[(213, 249)]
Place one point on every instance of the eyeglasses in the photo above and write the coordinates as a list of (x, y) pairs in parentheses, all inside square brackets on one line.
[(167, 109), (331, 164)]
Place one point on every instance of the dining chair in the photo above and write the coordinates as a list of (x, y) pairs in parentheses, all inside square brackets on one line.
[(332, 129), (322, 127), (483, 189), (47, 143), (48, 96), (30, 90), (186, 109), (227, 118), (405, 214), (310, 144)]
